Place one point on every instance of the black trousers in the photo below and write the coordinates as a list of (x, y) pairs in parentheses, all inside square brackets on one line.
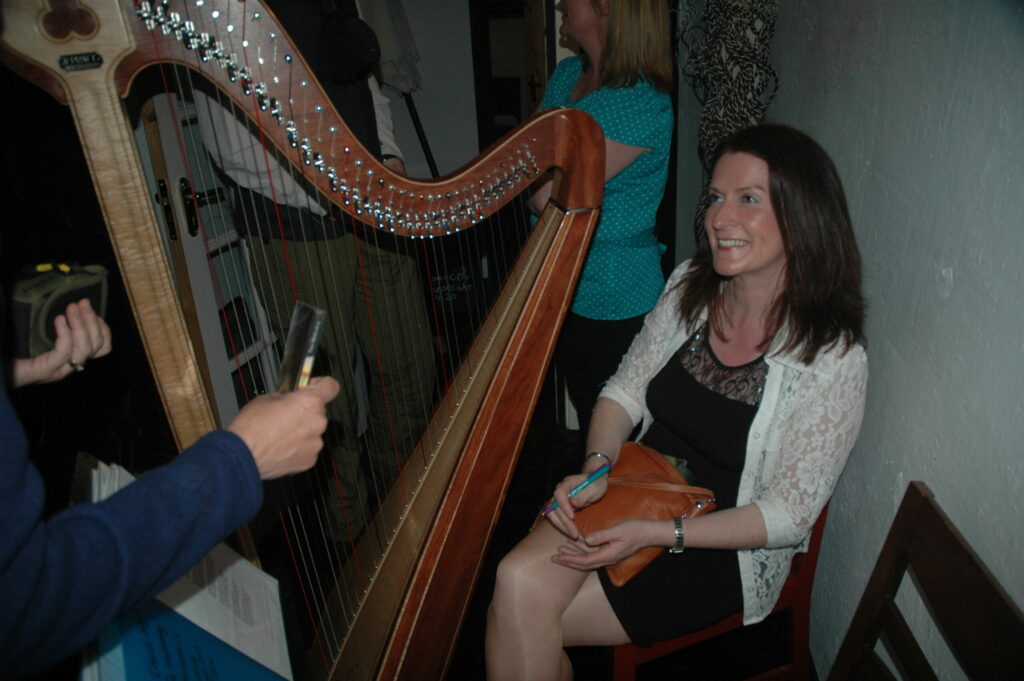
[(588, 353)]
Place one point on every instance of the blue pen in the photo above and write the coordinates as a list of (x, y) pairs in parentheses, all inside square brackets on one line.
[(603, 470)]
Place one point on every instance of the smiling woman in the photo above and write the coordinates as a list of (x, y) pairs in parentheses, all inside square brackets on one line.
[(751, 370), (819, 300), (745, 239)]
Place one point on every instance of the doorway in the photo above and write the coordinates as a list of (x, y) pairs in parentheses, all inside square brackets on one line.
[(513, 44)]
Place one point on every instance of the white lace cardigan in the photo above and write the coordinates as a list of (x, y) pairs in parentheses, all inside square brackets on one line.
[(798, 443)]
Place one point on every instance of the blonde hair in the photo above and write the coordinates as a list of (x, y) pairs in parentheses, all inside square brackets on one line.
[(636, 44)]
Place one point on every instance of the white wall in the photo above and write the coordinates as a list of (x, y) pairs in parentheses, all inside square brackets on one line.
[(921, 104), (446, 104)]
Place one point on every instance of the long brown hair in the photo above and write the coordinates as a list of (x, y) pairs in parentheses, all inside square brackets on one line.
[(821, 302), (636, 44)]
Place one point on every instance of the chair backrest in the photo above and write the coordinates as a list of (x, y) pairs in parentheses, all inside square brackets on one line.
[(979, 622)]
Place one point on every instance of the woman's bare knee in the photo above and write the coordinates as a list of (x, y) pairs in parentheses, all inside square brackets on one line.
[(518, 578), (528, 581)]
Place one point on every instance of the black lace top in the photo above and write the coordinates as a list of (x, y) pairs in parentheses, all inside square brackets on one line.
[(702, 413)]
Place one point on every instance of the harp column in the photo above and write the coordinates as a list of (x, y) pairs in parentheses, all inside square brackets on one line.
[(78, 49)]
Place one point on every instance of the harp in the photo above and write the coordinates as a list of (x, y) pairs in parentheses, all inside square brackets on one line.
[(86, 54)]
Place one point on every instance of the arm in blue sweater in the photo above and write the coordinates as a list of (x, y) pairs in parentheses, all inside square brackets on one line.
[(65, 579)]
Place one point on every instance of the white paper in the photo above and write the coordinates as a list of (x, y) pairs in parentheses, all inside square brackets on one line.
[(224, 593)]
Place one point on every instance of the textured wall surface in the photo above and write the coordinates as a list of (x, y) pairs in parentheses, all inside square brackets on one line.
[(446, 104), (921, 104)]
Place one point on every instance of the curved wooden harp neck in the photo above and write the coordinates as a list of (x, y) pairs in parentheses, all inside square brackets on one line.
[(263, 73)]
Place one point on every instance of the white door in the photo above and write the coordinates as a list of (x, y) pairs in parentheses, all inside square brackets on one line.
[(228, 324)]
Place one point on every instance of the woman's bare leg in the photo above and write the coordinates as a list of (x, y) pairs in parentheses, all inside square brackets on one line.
[(524, 639)]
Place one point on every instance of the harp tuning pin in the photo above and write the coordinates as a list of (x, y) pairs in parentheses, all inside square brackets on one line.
[(144, 12), (245, 80), (262, 101), (223, 58), (172, 25)]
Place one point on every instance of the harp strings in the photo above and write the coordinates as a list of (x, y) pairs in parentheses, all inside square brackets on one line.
[(460, 275)]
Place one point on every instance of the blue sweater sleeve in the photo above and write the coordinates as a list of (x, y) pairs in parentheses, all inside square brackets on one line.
[(66, 578)]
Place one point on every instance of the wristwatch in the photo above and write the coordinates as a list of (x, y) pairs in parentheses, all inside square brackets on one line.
[(680, 536)]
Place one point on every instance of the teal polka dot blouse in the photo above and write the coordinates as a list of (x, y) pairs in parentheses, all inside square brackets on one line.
[(622, 276)]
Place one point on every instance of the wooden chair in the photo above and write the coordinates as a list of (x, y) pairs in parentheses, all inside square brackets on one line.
[(979, 622), (795, 597)]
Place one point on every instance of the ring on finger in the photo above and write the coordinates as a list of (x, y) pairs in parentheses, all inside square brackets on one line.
[(75, 366)]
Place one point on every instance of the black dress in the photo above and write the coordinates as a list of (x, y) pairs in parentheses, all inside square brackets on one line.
[(702, 412)]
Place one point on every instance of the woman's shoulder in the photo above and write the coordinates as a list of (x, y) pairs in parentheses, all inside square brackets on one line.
[(668, 303), (639, 105), (846, 355), (559, 87), (641, 89), (840, 357), (677, 274), (573, 63), (569, 69)]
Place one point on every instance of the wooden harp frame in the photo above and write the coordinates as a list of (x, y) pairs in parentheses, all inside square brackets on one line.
[(86, 53)]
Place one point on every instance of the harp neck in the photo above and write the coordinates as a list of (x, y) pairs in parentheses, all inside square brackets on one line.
[(242, 49)]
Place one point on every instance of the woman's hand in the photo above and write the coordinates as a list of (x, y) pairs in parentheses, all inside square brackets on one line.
[(283, 431), (563, 517), (81, 335), (610, 546)]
